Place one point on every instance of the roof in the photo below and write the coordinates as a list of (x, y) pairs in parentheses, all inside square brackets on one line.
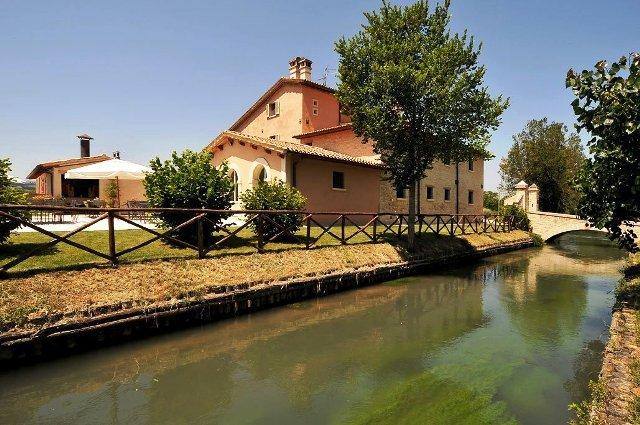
[(111, 169), (275, 87), (341, 127), (41, 168), (295, 147), (521, 185), (84, 136)]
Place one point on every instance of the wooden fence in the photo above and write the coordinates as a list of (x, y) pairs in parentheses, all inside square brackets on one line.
[(341, 226)]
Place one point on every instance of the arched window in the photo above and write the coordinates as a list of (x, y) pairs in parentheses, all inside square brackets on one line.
[(235, 195), (259, 175)]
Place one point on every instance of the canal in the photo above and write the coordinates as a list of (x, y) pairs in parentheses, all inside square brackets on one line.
[(513, 338)]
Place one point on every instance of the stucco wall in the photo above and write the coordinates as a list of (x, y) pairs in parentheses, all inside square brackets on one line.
[(244, 159), (344, 141), (328, 109), (286, 124), (130, 190), (314, 178)]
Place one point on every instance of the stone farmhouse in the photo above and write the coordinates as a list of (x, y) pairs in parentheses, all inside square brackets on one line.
[(296, 132)]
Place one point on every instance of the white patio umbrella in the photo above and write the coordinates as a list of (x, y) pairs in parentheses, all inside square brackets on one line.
[(111, 169)]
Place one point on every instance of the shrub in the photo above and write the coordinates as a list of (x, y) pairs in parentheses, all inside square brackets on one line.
[(9, 195), (188, 180), (537, 239), (520, 219), (275, 195), (112, 193)]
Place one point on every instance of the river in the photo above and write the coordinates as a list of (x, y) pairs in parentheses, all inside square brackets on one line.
[(512, 338)]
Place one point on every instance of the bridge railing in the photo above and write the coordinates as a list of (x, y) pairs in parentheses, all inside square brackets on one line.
[(212, 230)]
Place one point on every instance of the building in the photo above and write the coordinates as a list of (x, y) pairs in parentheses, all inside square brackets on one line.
[(51, 183), (295, 132), (525, 196)]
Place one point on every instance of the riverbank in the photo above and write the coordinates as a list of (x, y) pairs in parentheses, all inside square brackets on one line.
[(616, 397), (56, 313)]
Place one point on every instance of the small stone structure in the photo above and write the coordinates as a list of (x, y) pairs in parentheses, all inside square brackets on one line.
[(526, 197)]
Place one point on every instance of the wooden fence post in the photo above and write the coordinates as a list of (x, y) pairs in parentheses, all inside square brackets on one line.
[(200, 239), (112, 239), (342, 223), (308, 232), (259, 233), (375, 228)]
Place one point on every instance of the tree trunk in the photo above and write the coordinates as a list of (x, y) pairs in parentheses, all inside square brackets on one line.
[(411, 219)]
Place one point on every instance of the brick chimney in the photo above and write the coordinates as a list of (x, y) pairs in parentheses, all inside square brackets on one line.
[(85, 145), (300, 68)]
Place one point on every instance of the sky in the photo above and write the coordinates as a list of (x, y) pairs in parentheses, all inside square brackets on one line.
[(149, 77)]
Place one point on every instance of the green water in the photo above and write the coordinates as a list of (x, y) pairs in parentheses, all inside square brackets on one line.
[(510, 339)]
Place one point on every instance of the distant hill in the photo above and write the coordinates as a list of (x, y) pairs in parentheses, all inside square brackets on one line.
[(28, 185)]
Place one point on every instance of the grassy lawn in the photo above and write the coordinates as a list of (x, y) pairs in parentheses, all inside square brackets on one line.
[(64, 256), (48, 297)]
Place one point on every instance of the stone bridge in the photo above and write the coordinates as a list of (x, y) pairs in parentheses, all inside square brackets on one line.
[(551, 225)]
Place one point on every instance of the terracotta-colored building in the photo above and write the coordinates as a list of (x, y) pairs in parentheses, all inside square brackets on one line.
[(51, 182), (296, 133)]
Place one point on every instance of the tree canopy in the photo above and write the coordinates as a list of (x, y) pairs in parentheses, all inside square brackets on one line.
[(9, 195), (416, 91), (548, 155), (607, 106)]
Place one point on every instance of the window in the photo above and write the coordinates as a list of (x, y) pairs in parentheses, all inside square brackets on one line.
[(447, 194), (315, 107), (338, 180), (401, 193), (470, 165), (430, 196), (275, 137), (259, 175), (470, 197), (273, 109), (234, 179)]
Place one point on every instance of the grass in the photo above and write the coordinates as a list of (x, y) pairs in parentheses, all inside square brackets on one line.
[(51, 296), (63, 256)]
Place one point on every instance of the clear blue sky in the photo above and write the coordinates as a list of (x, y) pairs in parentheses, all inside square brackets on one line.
[(149, 77)]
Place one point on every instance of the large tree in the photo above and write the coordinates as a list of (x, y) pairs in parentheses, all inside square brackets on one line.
[(548, 155), (607, 106), (416, 90)]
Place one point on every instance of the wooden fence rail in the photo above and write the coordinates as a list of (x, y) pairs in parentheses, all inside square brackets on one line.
[(341, 226)]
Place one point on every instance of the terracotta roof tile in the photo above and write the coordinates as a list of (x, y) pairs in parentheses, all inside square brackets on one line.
[(295, 147), (41, 168), (340, 127)]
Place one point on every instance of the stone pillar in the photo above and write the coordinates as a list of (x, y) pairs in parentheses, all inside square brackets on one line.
[(532, 203), (522, 189)]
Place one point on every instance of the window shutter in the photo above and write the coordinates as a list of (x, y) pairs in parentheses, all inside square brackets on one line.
[(267, 108), (278, 108)]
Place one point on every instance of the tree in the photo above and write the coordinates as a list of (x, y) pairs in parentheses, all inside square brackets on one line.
[(607, 106), (189, 180), (275, 195), (9, 195), (548, 155), (416, 91), (491, 200)]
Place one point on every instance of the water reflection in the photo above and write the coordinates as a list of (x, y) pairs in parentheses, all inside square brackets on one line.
[(512, 338)]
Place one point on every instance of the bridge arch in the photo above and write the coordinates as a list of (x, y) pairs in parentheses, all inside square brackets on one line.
[(552, 225)]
